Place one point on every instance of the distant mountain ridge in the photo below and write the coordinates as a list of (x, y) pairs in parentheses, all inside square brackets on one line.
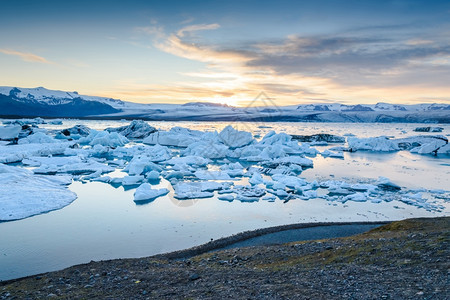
[(27, 102)]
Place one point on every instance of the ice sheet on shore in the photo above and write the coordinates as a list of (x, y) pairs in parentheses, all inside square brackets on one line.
[(33, 194)]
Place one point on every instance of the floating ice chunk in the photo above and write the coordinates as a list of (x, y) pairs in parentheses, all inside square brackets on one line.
[(176, 136), (363, 187), (309, 194), (56, 161), (16, 153), (328, 153), (429, 129), (256, 179), (444, 149), (357, 197), (321, 137), (32, 194), (290, 181), (191, 190), (234, 138), (175, 174), (372, 144), (270, 198), (137, 129), (279, 192), (248, 191), (9, 133), (104, 138), (386, 184), (152, 175), (37, 138), (140, 165), (233, 169), (145, 192), (132, 180), (226, 197), (207, 149), (75, 132), (86, 167), (298, 160), (55, 122), (212, 175), (430, 148), (189, 160)]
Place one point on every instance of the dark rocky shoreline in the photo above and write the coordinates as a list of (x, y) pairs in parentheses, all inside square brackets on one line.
[(401, 260)]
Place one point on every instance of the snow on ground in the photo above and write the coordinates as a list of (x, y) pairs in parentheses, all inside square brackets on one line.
[(230, 165)]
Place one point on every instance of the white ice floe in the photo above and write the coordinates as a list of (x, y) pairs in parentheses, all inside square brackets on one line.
[(104, 138), (76, 168), (75, 132), (152, 175), (289, 181), (328, 153), (137, 129), (256, 179), (416, 144), (226, 197), (189, 160), (145, 192), (192, 190), (142, 164), (387, 184), (207, 149), (381, 143), (9, 133), (212, 175), (37, 138), (16, 153), (297, 160), (444, 149), (234, 138), (32, 194), (432, 147), (357, 197), (176, 136), (132, 180)]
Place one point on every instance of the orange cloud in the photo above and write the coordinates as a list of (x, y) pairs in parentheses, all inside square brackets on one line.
[(29, 57)]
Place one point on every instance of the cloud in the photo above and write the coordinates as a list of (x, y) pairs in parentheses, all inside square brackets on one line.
[(198, 27), (351, 66), (29, 57)]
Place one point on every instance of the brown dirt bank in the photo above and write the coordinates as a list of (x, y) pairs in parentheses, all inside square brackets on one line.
[(402, 260)]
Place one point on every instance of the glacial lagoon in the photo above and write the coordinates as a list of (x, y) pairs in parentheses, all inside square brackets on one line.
[(105, 223)]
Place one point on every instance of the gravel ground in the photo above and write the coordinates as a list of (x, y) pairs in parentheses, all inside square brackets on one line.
[(402, 260)]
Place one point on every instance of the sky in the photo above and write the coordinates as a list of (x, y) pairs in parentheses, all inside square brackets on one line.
[(230, 51)]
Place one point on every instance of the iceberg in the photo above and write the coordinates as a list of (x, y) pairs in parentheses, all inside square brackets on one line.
[(9, 133), (137, 129), (212, 175), (234, 138), (382, 144), (33, 194), (104, 138), (145, 192), (176, 136)]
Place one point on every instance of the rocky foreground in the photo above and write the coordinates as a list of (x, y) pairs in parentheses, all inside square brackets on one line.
[(402, 260)]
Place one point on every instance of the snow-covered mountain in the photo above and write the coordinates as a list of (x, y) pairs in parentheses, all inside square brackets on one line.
[(42, 102)]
